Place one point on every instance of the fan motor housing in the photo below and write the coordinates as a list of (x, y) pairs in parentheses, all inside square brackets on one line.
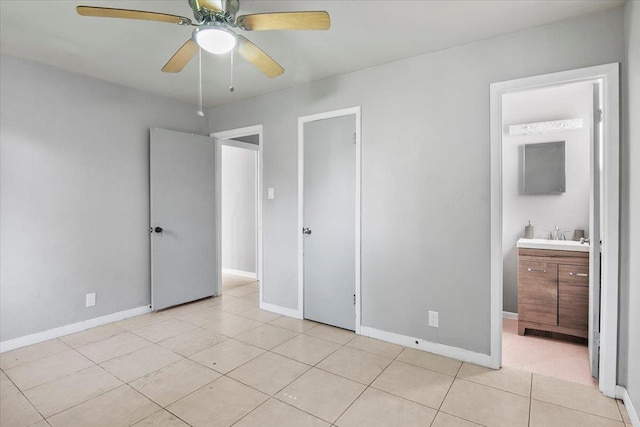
[(207, 10)]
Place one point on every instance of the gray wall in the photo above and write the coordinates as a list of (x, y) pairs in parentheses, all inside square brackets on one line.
[(239, 233), (569, 210), (425, 172), (74, 172), (629, 367)]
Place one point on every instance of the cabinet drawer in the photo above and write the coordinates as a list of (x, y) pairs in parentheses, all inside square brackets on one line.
[(539, 313), (535, 272), (574, 274)]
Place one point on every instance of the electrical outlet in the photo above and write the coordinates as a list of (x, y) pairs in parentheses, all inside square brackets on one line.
[(433, 319), (271, 193), (91, 300)]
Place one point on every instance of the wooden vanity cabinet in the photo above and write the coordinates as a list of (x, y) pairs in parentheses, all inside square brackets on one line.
[(553, 291)]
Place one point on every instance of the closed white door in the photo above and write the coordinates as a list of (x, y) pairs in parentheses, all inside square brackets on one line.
[(182, 218), (329, 224)]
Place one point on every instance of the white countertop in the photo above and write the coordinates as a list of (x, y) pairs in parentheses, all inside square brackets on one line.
[(556, 245)]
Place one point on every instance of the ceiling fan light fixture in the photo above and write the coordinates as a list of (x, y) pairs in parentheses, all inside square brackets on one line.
[(214, 38)]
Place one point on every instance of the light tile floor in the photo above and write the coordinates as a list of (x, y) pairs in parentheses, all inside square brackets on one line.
[(222, 361), (550, 357)]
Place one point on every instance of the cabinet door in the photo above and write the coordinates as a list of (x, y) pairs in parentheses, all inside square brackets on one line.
[(573, 298), (538, 292)]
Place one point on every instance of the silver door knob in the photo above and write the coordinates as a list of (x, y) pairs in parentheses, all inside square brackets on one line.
[(306, 230), (583, 241)]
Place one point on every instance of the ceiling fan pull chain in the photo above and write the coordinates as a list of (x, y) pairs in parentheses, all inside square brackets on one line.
[(231, 88), (200, 112)]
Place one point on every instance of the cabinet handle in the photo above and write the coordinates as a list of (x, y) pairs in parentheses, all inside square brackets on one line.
[(571, 273), (533, 270)]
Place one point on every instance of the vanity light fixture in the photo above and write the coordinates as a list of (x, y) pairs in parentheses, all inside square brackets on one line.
[(545, 127), (214, 38)]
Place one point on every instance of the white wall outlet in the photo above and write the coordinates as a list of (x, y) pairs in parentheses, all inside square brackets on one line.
[(91, 300), (433, 318), (271, 193)]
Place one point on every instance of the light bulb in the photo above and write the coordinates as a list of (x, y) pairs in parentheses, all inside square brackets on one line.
[(215, 39)]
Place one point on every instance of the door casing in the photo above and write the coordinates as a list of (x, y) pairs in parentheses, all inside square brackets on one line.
[(220, 137), (356, 112), (608, 75)]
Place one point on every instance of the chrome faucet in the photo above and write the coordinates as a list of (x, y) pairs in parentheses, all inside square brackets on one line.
[(557, 234)]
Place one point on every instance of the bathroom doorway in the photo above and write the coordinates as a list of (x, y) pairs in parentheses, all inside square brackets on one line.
[(548, 289)]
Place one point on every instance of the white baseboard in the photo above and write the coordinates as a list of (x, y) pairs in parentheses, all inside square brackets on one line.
[(26, 340), (623, 394), (431, 347), (290, 312), (509, 315), (240, 273)]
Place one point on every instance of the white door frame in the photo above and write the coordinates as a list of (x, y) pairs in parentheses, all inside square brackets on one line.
[(608, 75), (220, 138), (354, 111)]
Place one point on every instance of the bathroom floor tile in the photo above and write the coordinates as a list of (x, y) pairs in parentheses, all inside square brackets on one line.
[(221, 403), (227, 355), (274, 413), (377, 408), (175, 381), (306, 349), (120, 407), (116, 346), (63, 393), (269, 372), (414, 383), (140, 362), (203, 317), (545, 414), (485, 405), (431, 361), (266, 336), (354, 364), (321, 394), (143, 320), (16, 410)]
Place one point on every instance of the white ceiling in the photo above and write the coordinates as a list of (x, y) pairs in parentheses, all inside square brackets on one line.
[(363, 34)]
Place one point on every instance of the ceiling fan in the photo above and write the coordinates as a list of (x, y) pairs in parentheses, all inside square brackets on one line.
[(214, 21)]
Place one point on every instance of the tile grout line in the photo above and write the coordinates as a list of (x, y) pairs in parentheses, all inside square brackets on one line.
[(530, 399)]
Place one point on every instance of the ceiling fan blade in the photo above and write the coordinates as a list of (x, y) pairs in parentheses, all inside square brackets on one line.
[(318, 20), (181, 57), (257, 57), (107, 12)]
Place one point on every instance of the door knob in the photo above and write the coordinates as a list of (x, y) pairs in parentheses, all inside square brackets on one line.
[(158, 230), (306, 230)]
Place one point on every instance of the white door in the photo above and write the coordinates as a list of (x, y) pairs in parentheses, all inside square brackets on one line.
[(595, 216), (329, 224), (182, 218)]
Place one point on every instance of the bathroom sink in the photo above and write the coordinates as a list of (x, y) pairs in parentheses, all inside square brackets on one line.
[(557, 245)]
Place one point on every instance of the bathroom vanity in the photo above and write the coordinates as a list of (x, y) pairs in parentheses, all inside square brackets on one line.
[(553, 286)]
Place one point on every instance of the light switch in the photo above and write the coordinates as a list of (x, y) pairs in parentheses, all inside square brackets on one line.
[(271, 193)]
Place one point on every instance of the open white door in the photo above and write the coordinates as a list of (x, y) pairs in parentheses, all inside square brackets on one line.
[(595, 215), (182, 218)]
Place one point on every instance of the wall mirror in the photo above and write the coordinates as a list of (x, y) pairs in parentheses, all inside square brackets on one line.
[(543, 168)]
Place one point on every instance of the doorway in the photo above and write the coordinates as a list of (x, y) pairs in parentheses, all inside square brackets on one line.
[(239, 209), (603, 188), (329, 218)]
